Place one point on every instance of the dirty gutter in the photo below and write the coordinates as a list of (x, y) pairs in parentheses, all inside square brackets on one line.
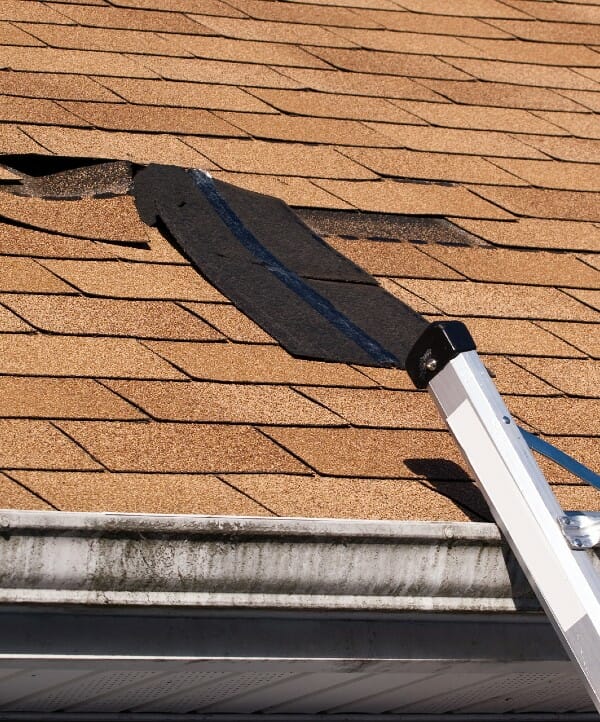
[(257, 563)]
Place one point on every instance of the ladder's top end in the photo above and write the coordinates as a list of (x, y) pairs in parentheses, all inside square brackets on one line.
[(438, 344)]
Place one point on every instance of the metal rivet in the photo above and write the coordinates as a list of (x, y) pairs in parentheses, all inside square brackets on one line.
[(431, 365), (506, 419)]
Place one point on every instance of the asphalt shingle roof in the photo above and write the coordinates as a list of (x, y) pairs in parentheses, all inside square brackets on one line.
[(128, 382)]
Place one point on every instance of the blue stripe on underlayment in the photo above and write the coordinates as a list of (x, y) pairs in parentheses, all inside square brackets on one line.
[(319, 303)]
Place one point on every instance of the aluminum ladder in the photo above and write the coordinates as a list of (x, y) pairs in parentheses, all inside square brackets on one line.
[(553, 547)]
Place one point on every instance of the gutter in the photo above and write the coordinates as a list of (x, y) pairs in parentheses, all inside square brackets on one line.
[(71, 558)]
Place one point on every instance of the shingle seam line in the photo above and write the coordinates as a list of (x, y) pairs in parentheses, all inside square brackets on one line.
[(290, 279)]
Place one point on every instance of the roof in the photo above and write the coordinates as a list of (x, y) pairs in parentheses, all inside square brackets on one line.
[(130, 383)]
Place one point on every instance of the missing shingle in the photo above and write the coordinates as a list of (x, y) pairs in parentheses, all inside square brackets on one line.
[(63, 178), (386, 227), (256, 251)]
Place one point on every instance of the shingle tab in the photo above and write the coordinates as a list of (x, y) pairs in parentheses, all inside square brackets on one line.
[(171, 448), (252, 363), (412, 198), (27, 444), (522, 267), (139, 493), (232, 403), (74, 315), (54, 398), (42, 355), (374, 452), (118, 279), (348, 498)]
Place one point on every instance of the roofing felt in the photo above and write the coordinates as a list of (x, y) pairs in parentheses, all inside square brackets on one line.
[(451, 150)]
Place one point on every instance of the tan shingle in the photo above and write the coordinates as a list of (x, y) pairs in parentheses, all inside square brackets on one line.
[(474, 8), (373, 452), (400, 163), (522, 267), (574, 377), (119, 116), (554, 174), (50, 60), (106, 219), (184, 95), (24, 274), (244, 51), (27, 444), (102, 39), (456, 140), (393, 63), (252, 363), (581, 125), (9, 323), (177, 448), (137, 147), (53, 85), (435, 24), (20, 241), (466, 298), (331, 105), (501, 95), (506, 336), (110, 317), (479, 117), (510, 378), (132, 19), (383, 86), (230, 403), (230, 322), (567, 205), (288, 32), (117, 279), (38, 355), (209, 7), (385, 258), (11, 34), (524, 74), (15, 496), (52, 398), (217, 71), (294, 191), (379, 408), (579, 150), (538, 233), (139, 493), (32, 11), (290, 159), (583, 336), (537, 53), (348, 498), (558, 415), (326, 131), (411, 198)]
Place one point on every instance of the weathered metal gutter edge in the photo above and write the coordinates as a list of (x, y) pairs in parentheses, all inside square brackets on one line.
[(256, 562)]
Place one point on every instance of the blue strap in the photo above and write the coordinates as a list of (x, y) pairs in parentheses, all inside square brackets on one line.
[(319, 303), (559, 457)]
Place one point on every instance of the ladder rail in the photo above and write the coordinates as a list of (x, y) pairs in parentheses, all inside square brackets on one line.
[(523, 505)]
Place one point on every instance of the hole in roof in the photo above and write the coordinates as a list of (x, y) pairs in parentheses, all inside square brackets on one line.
[(258, 253), (386, 227), (59, 177)]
